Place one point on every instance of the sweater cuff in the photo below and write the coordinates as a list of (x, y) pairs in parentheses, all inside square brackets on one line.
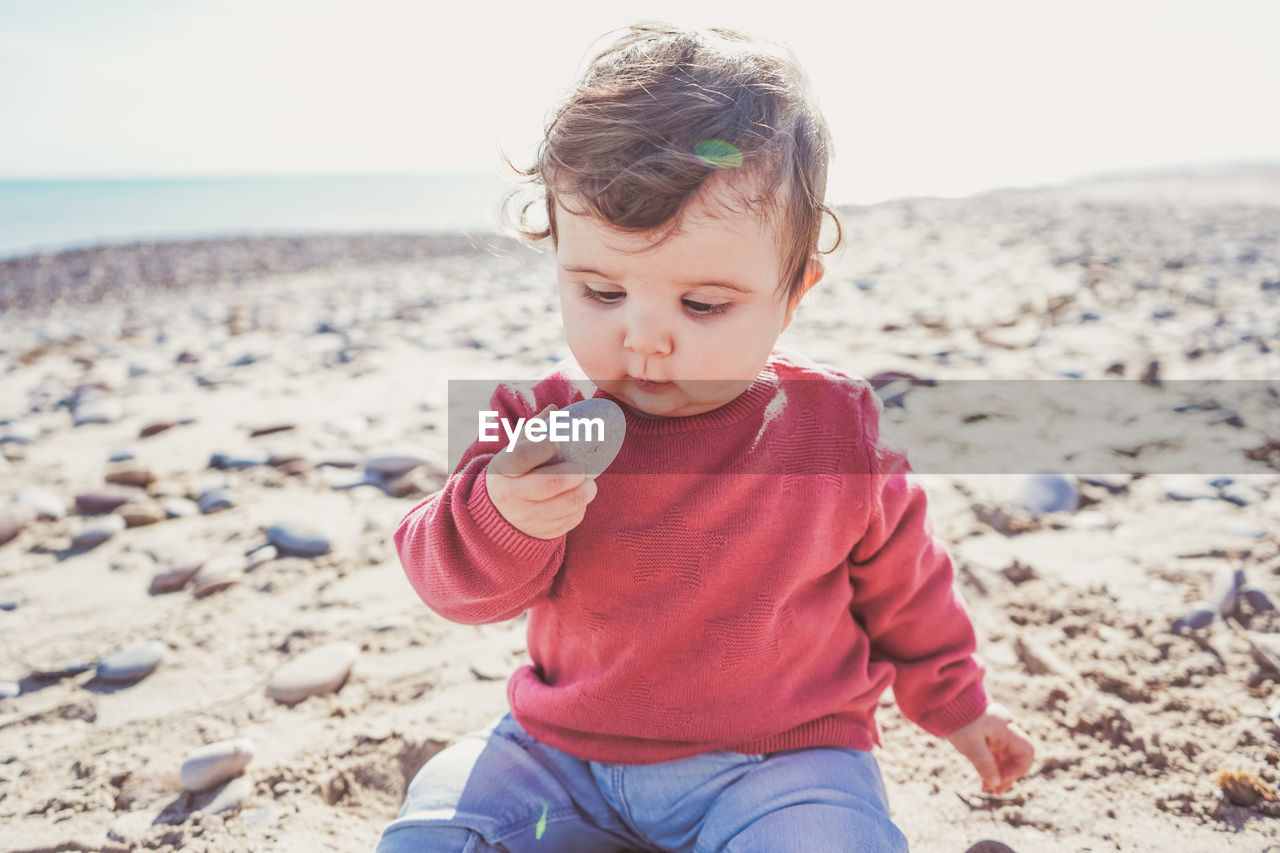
[(959, 712), (504, 535)]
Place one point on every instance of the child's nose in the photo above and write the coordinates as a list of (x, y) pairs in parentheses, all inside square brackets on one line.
[(647, 333)]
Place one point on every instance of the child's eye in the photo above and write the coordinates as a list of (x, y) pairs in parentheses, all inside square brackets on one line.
[(612, 297), (704, 309), (608, 297)]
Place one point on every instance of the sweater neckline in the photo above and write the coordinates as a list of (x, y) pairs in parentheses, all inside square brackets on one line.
[(761, 391)]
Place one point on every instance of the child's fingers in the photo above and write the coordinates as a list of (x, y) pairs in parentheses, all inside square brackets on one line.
[(1017, 756), (524, 455)]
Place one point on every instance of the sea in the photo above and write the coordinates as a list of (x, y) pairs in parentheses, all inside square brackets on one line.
[(39, 216)]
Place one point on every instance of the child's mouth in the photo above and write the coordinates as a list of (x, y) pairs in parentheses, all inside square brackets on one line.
[(648, 386)]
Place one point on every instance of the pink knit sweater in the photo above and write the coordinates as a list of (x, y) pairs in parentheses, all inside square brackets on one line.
[(749, 579)]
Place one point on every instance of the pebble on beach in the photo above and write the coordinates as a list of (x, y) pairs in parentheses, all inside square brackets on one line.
[(298, 538), (95, 530), (131, 663), (215, 763), (314, 673)]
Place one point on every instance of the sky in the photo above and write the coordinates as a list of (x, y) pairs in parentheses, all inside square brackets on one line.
[(923, 98)]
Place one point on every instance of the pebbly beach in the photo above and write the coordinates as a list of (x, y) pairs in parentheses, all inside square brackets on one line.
[(207, 642)]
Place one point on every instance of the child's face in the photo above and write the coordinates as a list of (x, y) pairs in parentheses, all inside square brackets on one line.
[(635, 311)]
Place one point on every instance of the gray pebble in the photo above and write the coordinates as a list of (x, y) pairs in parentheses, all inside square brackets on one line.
[(395, 463), (96, 530), (13, 520), (106, 500), (1190, 488), (217, 574), (176, 507), (216, 763), (298, 538), (1038, 493), (259, 556), (1111, 482), (1199, 615), (175, 576), (217, 499), (596, 448), (131, 663), (232, 796), (239, 460), (319, 671), (1258, 600), (1241, 494), (1224, 590), (95, 410)]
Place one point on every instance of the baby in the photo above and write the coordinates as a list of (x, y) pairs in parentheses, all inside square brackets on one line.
[(712, 620)]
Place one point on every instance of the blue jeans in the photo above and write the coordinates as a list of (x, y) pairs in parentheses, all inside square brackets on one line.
[(499, 789)]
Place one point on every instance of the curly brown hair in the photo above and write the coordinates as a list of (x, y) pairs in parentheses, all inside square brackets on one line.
[(665, 109)]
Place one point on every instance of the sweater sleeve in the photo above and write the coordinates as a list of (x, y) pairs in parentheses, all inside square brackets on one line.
[(904, 598), (466, 561)]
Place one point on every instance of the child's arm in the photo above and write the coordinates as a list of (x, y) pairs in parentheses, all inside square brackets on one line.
[(905, 601), (466, 561)]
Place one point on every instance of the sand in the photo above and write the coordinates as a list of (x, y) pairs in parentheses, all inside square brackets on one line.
[(340, 348)]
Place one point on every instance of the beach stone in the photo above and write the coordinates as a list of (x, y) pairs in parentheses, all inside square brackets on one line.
[(1110, 482), (96, 530), (260, 556), (232, 796), (396, 463), (1241, 494), (340, 479), (176, 507), (94, 409), (105, 500), (1190, 488), (594, 455), (1199, 615), (217, 499), (47, 505), (319, 671), (10, 689), (1257, 600), (14, 519), (122, 454), (216, 575), (1225, 588), (269, 429), (214, 764), (155, 428), (131, 663), (893, 394), (130, 474), (422, 480), (138, 513), (175, 575), (239, 460), (1040, 493), (298, 538)]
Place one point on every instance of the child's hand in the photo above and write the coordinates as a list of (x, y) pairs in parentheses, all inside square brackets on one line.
[(544, 504), (999, 750)]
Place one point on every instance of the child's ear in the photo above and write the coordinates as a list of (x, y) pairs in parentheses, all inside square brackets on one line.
[(814, 270)]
